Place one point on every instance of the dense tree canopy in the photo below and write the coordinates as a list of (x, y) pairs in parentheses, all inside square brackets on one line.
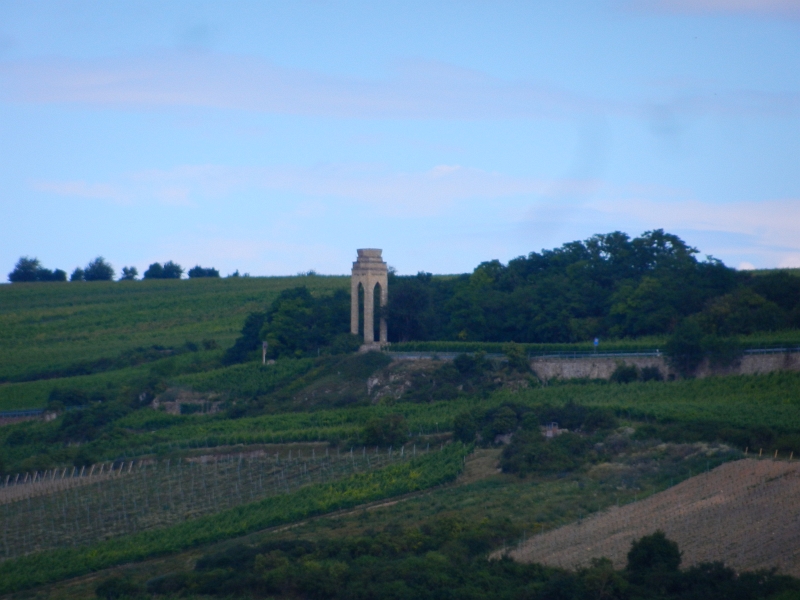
[(298, 324), (608, 285)]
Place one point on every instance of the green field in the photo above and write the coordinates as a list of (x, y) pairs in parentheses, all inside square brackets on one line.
[(181, 483), (46, 328)]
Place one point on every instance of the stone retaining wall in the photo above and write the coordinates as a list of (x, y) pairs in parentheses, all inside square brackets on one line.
[(603, 366)]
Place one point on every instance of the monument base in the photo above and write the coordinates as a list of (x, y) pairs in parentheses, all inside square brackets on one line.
[(373, 347)]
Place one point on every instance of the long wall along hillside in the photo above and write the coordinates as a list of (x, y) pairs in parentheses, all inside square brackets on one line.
[(193, 420)]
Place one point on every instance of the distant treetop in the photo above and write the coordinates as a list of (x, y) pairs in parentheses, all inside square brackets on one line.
[(199, 271), (30, 269), (170, 270), (129, 274), (98, 270)]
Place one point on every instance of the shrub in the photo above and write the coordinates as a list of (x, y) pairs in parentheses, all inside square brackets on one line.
[(516, 357), (465, 427), (654, 553), (651, 374), (67, 397), (625, 374), (117, 587), (471, 365), (531, 452), (391, 430)]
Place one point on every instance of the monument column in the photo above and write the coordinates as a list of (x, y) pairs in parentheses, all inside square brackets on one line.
[(354, 304), (369, 270)]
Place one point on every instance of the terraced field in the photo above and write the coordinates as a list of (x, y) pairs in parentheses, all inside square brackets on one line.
[(744, 513)]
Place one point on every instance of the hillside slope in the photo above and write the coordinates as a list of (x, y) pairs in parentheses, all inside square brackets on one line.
[(743, 513), (63, 329)]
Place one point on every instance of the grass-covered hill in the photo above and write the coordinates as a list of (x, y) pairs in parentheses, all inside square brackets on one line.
[(106, 331), (171, 471), (48, 329)]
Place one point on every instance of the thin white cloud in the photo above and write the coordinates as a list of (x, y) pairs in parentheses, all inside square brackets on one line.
[(395, 193), (417, 90), (82, 189), (766, 229), (771, 8)]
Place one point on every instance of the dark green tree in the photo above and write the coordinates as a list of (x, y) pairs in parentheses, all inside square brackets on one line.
[(77, 275), (129, 274), (172, 270), (654, 553), (30, 269), (199, 271), (684, 348), (25, 270), (300, 324), (248, 341), (98, 270), (391, 430), (154, 271)]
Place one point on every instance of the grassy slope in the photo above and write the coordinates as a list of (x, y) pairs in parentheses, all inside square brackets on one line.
[(45, 326)]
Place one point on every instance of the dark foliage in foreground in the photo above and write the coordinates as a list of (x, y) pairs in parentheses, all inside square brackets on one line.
[(448, 559)]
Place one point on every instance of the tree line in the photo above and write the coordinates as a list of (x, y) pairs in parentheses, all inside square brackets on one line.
[(606, 286), (30, 269)]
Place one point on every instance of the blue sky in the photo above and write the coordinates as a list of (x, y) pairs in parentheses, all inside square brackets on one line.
[(278, 137)]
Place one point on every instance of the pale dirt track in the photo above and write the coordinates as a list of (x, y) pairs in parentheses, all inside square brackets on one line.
[(744, 513)]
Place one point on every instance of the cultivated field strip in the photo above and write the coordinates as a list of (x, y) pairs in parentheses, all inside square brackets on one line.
[(48, 511), (744, 513)]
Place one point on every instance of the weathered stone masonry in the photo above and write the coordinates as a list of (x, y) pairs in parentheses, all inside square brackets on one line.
[(369, 272)]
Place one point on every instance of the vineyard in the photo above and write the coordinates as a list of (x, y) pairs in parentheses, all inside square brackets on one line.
[(54, 328), (399, 474), (72, 507), (743, 411), (744, 513)]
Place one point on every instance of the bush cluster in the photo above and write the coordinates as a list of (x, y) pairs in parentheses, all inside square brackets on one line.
[(447, 559)]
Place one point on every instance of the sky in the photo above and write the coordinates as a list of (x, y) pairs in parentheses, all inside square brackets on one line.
[(275, 138)]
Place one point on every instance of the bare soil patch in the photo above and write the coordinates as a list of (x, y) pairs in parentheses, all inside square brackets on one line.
[(743, 513)]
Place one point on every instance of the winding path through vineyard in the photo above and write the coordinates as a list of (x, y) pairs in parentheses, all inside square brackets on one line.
[(744, 513)]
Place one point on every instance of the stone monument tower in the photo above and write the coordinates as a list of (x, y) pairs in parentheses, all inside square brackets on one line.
[(369, 272)]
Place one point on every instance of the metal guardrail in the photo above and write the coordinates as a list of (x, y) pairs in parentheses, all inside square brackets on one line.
[(498, 356), (772, 350), (15, 414), (571, 355)]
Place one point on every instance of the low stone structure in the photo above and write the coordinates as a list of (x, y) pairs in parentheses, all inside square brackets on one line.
[(601, 367), (369, 272)]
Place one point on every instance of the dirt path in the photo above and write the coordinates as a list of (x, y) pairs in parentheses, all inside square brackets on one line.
[(744, 513)]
